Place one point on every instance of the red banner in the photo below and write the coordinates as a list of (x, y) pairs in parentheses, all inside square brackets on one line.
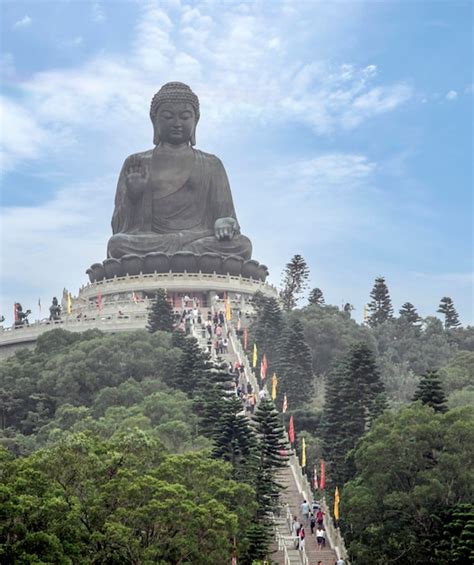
[(322, 480), (246, 339), (291, 430)]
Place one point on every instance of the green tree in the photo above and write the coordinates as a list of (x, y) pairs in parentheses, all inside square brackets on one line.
[(354, 398), (451, 317), (430, 392), (161, 313), (380, 307), (272, 452), (412, 468), (267, 328), (234, 440), (122, 501), (316, 297), (295, 374), (295, 277), (409, 314)]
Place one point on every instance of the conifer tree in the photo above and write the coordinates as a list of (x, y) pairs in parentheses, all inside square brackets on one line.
[(234, 439), (316, 297), (192, 368), (211, 397), (272, 455), (160, 317), (354, 398), (451, 317), (380, 307), (267, 328), (430, 392), (409, 314), (295, 278), (294, 370)]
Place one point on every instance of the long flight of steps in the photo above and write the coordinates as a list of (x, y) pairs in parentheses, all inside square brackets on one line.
[(291, 497)]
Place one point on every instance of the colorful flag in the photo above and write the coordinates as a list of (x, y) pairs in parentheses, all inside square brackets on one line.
[(263, 367), (274, 386), (336, 504), (285, 404), (238, 325), (322, 480), (254, 356), (315, 478), (69, 303), (228, 310), (303, 453), (135, 298), (291, 430), (246, 339), (99, 301)]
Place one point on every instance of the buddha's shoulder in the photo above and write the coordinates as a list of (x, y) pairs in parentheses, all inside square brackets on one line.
[(143, 155), (208, 157)]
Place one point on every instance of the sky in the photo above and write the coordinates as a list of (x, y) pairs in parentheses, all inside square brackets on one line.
[(345, 129)]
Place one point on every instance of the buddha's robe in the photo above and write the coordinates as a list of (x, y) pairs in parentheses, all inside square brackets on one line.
[(180, 221)]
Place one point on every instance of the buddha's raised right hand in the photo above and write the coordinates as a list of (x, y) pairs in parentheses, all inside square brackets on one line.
[(136, 177)]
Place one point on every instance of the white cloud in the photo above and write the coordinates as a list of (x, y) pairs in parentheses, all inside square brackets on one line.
[(98, 13), (24, 22), (228, 56), (451, 95)]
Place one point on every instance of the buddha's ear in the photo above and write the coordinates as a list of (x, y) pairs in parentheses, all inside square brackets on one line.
[(156, 135), (193, 136)]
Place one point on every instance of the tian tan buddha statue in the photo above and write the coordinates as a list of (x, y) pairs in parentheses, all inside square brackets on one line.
[(175, 198)]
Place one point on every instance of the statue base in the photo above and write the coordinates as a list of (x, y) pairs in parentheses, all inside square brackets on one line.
[(180, 262)]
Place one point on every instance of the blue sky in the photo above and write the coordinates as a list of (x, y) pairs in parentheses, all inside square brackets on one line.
[(345, 129)]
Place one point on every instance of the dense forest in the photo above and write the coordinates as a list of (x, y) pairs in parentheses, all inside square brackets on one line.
[(132, 448)]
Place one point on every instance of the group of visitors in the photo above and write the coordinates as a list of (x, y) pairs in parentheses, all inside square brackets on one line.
[(313, 516)]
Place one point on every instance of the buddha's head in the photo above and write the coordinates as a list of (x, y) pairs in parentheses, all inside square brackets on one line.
[(174, 113)]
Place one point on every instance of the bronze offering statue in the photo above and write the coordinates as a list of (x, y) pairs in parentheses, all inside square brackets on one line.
[(173, 205)]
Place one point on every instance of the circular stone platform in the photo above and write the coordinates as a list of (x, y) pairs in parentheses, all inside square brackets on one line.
[(120, 294), (180, 262)]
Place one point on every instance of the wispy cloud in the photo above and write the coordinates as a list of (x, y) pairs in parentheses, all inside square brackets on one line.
[(24, 22), (229, 58), (98, 13), (451, 95)]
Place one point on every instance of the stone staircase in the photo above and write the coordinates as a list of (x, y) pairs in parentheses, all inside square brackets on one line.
[(296, 489)]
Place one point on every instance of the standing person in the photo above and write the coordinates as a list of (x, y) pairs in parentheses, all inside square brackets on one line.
[(225, 345), (295, 530), (320, 517), (320, 538), (312, 522), (302, 536), (305, 511)]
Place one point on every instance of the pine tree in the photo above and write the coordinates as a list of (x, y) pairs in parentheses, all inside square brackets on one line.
[(294, 369), (272, 452), (430, 392), (316, 297), (267, 328), (409, 314), (354, 398), (210, 399), (380, 307), (295, 278), (451, 317), (160, 317), (192, 368), (234, 439)]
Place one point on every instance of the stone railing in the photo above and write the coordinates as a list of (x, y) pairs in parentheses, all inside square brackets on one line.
[(182, 281)]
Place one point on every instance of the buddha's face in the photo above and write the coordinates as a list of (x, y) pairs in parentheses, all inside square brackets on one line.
[(175, 122)]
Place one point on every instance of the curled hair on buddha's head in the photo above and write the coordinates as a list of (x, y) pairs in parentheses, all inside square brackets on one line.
[(174, 92)]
